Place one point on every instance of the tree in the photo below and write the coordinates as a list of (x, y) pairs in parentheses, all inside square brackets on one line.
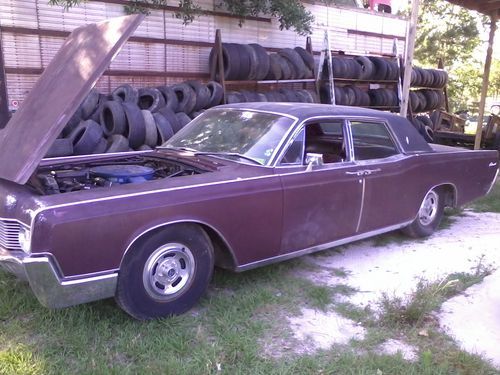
[(291, 14), (464, 85), (447, 31)]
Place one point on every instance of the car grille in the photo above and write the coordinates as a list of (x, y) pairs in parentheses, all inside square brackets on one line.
[(9, 234)]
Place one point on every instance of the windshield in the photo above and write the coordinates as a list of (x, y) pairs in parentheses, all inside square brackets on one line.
[(255, 135)]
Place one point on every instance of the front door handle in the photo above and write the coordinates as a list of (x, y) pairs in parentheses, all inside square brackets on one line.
[(363, 172)]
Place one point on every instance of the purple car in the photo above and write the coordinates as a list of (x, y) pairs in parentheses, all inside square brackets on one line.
[(239, 187)]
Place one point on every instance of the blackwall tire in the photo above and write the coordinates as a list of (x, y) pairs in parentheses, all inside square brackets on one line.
[(163, 127), (274, 67), (150, 99), (166, 272), (117, 143), (296, 60), (253, 61), (183, 119), (286, 72), (86, 137), (136, 129), (112, 118), (263, 61), (89, 104), (60, 147), (151, 137), (186, 97), (306, 57), (380, 67), (171, 118), (429, 215), (170, 97), (202, 94), (216, 93), (125, 93)]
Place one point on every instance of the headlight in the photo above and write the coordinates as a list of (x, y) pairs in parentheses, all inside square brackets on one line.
[(25, 239)]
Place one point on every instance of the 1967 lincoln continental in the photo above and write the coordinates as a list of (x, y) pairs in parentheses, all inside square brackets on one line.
[(239, 187)]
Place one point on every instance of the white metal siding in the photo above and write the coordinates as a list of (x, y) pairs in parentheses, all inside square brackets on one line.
[(24, 51)]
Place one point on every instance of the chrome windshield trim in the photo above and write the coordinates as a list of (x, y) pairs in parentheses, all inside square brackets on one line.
[(295, 119), (314, 249)]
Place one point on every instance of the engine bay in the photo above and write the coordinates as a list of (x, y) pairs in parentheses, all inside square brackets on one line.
[(84, 176)]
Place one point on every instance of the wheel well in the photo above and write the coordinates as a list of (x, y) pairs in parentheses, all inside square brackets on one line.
[(224, 257), (450, 195)]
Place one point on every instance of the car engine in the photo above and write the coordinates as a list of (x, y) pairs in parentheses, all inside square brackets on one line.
[(75, 177)]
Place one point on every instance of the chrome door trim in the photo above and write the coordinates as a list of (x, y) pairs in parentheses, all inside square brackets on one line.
[(325, 246)]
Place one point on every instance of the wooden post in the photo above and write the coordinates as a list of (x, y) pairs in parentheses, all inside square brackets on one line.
[(218, 67), (445, 88), (410, 48), (486, 80)]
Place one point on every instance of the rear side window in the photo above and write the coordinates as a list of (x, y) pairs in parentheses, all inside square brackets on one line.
[(372, 140)]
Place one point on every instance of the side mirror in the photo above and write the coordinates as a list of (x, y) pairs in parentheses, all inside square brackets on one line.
[(313, 160)]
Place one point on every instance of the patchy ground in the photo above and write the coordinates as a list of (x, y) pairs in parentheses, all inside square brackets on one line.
[(392, 265)]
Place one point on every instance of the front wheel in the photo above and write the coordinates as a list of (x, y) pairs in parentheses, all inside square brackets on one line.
[(166, 272), (429, 215)]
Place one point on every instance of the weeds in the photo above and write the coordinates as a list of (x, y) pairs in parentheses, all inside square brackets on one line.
[(489, 203), (428, 296)]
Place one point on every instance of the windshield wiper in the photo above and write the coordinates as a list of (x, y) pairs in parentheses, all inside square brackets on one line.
[(230, 154)]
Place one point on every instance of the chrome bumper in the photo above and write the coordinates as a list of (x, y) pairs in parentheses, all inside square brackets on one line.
[(52, 290)]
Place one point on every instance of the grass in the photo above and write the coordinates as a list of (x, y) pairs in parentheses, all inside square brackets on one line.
[(489, 203), (227, 332), (428, 296)]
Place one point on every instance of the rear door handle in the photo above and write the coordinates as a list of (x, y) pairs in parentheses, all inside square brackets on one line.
[(363, 172)]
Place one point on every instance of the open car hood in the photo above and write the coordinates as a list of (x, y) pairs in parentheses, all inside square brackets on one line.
[(68, 79)]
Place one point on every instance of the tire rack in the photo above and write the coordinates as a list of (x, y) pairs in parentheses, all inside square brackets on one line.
[(218, 67), (326, 53), (457, 124)]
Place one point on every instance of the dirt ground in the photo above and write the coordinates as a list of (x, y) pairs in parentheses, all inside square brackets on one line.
[(395, 268)]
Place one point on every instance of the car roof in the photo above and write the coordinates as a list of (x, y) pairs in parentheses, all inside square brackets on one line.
[(410, 140)]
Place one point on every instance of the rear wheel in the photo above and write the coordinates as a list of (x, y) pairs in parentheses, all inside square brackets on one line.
[(166, 272), (429, 215)]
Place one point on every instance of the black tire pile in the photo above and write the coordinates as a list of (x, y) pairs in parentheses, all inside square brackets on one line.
[(130, 119), (424, 126), (279, 95), (425, 100), (252, 62), (433, 78), (363, 68), (355, 96)]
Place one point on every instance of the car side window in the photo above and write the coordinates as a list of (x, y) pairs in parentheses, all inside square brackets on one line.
[(372, 140), (294, 155)]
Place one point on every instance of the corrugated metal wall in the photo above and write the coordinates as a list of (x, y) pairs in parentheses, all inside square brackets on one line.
[(163, 50)]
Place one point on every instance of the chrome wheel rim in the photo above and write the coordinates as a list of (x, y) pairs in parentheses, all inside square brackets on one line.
[(429, 208), (169, 271)]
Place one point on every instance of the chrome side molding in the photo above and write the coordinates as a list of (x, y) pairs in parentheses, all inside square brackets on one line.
[(325, 246)]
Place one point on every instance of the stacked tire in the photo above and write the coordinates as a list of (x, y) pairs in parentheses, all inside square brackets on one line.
[(252, 62), (280, 95), (424, 126), (432, 78), (129, 119), (363, 68), (352, 95), (425, 100)]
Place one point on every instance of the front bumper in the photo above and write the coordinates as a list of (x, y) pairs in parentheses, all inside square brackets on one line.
[(52, 290)]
